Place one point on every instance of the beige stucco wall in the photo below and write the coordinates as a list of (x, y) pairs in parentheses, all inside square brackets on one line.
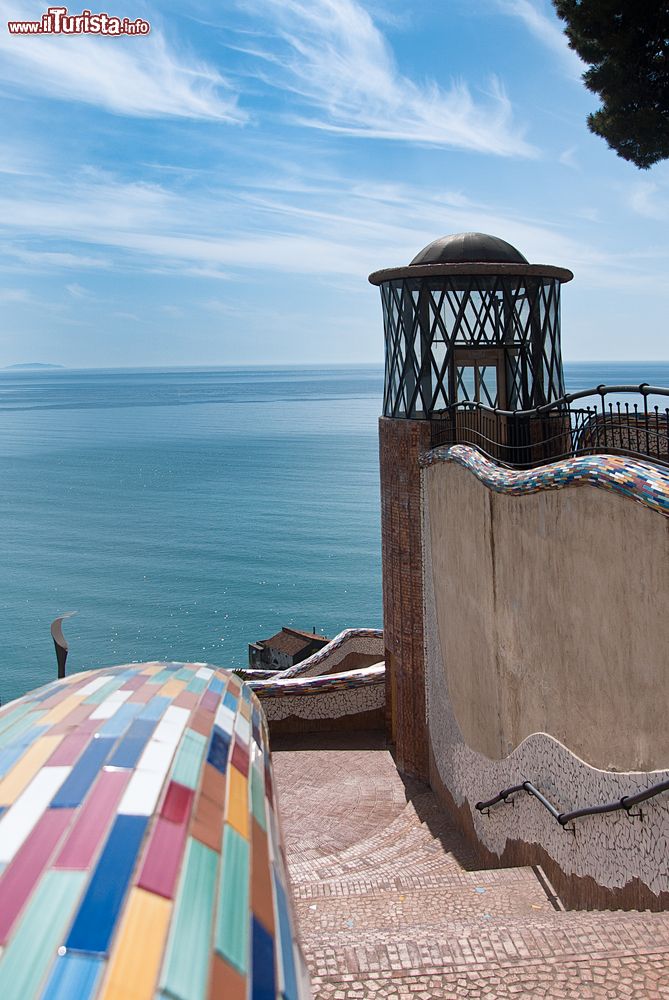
[(553, 615)]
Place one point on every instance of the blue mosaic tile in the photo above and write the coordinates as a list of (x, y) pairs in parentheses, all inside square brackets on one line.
[(643, 482)]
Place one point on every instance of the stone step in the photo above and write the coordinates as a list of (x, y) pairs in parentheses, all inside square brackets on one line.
[(404, 913), (389, 902), (633, 977), (378, 882), (480, 944), (373, 886)]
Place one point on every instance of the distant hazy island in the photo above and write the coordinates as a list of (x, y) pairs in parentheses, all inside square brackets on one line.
[(33, 364)]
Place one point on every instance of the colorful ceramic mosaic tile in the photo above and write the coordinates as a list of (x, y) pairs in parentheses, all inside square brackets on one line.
[(642, 482), (139, 847), (363, 677)]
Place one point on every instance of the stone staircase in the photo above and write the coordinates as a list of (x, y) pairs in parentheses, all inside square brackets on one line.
[(390, 902)]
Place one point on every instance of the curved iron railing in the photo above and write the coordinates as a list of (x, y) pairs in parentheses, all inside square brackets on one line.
[(626, 803), (638, 427)]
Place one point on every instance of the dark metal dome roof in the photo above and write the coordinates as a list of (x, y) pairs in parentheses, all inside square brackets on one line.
[(469, 248), (464, 256)]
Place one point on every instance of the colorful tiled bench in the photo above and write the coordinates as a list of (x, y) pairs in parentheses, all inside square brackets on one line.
[(139, 849)]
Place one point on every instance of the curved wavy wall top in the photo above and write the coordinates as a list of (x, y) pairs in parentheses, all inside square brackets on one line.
[(551, 606), (343, 683), (349, 650)]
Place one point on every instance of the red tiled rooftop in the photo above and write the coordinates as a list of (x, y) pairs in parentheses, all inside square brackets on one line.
[(291, 641)]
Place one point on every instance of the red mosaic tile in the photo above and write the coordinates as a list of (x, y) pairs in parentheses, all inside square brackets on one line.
[(209, 702), (163, 858), (21, 875), (240, 757), (68, 751), (177, 803), (187, 699)]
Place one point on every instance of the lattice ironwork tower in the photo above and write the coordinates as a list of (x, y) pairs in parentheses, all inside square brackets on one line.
[(468, 320)]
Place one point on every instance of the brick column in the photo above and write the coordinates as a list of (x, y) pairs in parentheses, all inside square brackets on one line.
[(400, 444)]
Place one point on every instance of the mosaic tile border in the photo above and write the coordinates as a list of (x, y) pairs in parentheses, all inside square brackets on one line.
[(643, 482), (362, 677), (139, 841), (331, 696), (327, 704)]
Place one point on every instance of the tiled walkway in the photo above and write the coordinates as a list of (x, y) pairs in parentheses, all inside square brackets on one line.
[(390, 903)]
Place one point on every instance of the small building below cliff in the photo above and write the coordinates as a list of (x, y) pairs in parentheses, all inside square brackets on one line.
[(285, 649)]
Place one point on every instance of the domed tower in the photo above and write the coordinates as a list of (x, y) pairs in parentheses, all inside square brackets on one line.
[(469, 320)]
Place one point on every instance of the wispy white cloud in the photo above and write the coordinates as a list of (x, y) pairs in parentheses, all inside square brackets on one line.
[(140, 77), (587, 212), (330, 227), (158, 226), (33, 260), (220, 306), (15, 160), (568, 158), (97, 200), (334, 57), (542, 22), (14, 295), (649, 199), (77, 291)]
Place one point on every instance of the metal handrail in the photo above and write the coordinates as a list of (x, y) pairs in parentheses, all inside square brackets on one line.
[(644, 389), (526, 438), (625, 803)]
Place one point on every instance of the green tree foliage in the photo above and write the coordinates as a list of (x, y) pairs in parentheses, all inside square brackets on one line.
[(626, 43)]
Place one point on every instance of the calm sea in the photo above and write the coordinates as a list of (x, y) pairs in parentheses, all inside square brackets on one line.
[(186, 512)]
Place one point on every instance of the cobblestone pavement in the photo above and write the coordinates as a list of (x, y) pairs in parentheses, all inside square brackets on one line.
[(390, 902)]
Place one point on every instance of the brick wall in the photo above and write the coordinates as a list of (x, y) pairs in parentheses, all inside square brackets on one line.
[(400, 444)]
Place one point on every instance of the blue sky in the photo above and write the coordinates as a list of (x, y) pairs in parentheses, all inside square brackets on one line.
[(218, 191)]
